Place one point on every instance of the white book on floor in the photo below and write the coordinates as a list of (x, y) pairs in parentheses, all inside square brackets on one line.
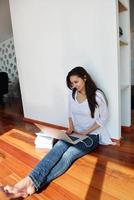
[(43, 141), (44, 146)]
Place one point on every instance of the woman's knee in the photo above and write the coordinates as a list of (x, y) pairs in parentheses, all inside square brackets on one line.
[(61, 143), (71, 155)]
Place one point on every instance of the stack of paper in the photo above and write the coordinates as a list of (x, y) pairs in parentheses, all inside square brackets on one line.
[(42, 141)]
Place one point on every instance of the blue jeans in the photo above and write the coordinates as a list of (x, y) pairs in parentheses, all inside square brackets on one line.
[(59, 159)]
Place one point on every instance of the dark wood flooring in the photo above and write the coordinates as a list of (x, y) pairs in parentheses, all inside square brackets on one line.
[(11, 116)]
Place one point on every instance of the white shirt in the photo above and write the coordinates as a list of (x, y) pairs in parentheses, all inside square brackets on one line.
[(81, 116)]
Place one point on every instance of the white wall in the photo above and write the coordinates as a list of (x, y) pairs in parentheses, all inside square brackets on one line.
[(132, 40), (132, 14), (5, 21), (51, 37)]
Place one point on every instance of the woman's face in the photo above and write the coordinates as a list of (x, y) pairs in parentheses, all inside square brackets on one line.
[(77, 83)]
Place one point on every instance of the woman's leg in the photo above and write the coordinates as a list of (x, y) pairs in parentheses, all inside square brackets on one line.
[(61, 161), (74, 152), (40, 172), (32, 183)]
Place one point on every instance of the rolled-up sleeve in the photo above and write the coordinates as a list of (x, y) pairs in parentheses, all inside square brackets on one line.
[(101, 113)]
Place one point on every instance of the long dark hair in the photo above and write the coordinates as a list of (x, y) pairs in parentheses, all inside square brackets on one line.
[(90, 87)]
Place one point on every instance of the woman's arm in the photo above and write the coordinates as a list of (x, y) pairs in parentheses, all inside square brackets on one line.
[(70, 126)]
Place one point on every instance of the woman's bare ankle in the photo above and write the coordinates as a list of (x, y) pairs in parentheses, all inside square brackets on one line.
[(31, 187)]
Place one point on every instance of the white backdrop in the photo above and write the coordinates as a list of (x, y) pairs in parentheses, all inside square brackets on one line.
[(51, 37)]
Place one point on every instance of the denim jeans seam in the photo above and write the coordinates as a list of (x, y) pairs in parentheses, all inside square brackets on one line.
[(52, 161), (35, 182)]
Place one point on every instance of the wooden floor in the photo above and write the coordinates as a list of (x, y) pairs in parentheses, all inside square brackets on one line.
[(106, 174)]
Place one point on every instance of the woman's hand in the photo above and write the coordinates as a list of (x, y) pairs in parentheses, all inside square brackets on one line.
[(69, 131)]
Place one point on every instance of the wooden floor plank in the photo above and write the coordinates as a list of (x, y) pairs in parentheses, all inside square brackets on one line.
[(23, 142)]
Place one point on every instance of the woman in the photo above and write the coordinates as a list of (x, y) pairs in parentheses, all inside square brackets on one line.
[(88, 114)]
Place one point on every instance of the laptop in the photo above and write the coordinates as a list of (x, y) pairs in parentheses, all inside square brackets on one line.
[(59, 134)]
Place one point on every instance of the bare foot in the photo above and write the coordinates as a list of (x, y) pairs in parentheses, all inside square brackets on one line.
[(23, 188)]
